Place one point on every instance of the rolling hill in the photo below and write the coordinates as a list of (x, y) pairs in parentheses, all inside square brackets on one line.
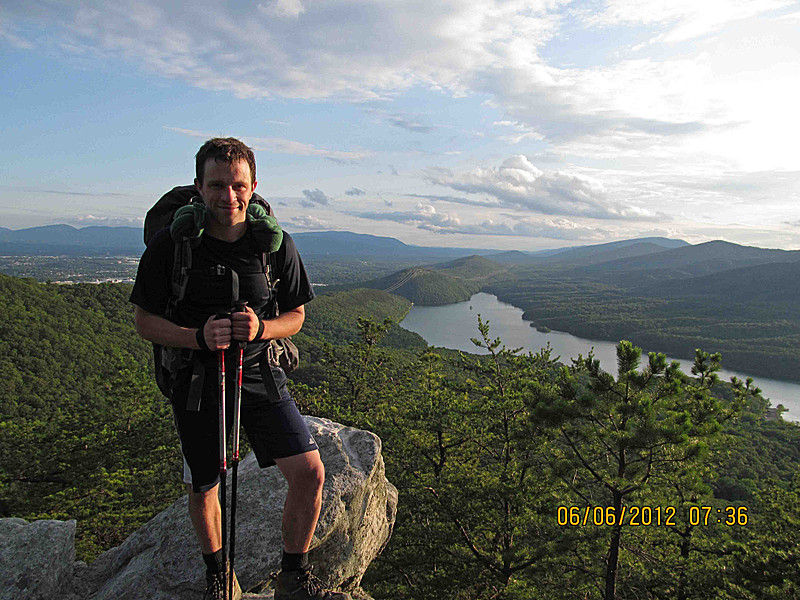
[(764, 283), (434, 285)]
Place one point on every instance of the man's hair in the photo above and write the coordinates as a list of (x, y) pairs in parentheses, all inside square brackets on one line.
[(227, 150)]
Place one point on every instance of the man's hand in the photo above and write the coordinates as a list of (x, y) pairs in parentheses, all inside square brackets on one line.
[(217, 333), (244, 325)]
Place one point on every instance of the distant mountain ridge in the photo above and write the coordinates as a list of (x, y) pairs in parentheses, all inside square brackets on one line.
[(686, 262), (706, 257), (98, 239), (592, 254), (66, 239), (344, 244)]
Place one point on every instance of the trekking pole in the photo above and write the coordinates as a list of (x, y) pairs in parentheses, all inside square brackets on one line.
[(237, 409), (223, 466)]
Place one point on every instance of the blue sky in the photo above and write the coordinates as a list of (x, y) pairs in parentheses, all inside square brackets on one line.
[(508, 124)]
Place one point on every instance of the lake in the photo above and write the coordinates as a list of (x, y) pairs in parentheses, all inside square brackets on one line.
[(453, 325)]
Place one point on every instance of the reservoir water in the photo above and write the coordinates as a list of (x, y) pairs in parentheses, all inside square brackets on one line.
[(453, 325)]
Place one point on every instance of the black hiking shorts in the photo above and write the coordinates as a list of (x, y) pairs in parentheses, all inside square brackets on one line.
[(273, 426)]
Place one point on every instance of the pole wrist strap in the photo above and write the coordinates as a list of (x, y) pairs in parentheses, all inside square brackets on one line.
[(201, 340)]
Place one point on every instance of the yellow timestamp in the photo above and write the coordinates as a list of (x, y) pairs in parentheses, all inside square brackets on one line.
[(645, 516), (726, 515)]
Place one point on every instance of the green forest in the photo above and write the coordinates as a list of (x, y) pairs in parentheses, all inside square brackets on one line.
[(754, 335), (519, 477)]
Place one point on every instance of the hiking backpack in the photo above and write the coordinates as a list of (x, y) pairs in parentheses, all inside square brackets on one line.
[(281, 352)]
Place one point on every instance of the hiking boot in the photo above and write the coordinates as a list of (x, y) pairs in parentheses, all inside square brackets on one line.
[(215, 586), (302, 585)]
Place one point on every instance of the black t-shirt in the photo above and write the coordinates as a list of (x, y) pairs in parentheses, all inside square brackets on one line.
[(210, 288)]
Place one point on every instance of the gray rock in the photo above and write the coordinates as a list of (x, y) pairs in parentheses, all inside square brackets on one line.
[(36, 559), (162, 560)]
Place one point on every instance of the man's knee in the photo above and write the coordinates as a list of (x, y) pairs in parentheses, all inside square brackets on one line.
[(305, 471), (202, 498), (312, 475), (316, 475)]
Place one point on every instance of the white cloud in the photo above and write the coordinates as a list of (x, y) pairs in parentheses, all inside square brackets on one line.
[(116, 221), (282, 146), (360, 50), (520, 132), (712, 90), (488, 202), (428, 218), (557, 229), (308, 222), (283, 8), (518, 183), (683, 19), (423, 216), (354, 191), (340, 48)]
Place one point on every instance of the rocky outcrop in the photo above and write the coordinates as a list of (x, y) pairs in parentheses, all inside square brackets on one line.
[(36, 559), (161, 560)]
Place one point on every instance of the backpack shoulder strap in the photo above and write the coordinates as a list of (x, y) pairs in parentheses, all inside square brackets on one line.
[(181, 265)]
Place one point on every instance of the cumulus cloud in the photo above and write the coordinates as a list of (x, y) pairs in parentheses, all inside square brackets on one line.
[(428, 218), (315, 197), (354, 191), (307, 222), (518, 183), (558, 229), (424, 216)]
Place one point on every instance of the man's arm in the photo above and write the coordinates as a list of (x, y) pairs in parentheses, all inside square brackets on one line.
[(162, 331)]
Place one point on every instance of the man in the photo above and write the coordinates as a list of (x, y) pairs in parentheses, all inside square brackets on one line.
[(226, 179)]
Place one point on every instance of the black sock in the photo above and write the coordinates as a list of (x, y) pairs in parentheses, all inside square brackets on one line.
[(215, 562), (294, 562)]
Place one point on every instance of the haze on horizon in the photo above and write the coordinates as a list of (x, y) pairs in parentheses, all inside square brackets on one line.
[(489, 124)]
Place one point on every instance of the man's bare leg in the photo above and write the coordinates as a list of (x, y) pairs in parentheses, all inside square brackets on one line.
[(206, 516), (305, 475)]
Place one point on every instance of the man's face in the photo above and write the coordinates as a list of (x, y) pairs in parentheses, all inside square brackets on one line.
[(226, 191)]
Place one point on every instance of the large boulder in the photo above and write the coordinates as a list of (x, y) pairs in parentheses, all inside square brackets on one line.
[(161, 561), (36, 559)]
